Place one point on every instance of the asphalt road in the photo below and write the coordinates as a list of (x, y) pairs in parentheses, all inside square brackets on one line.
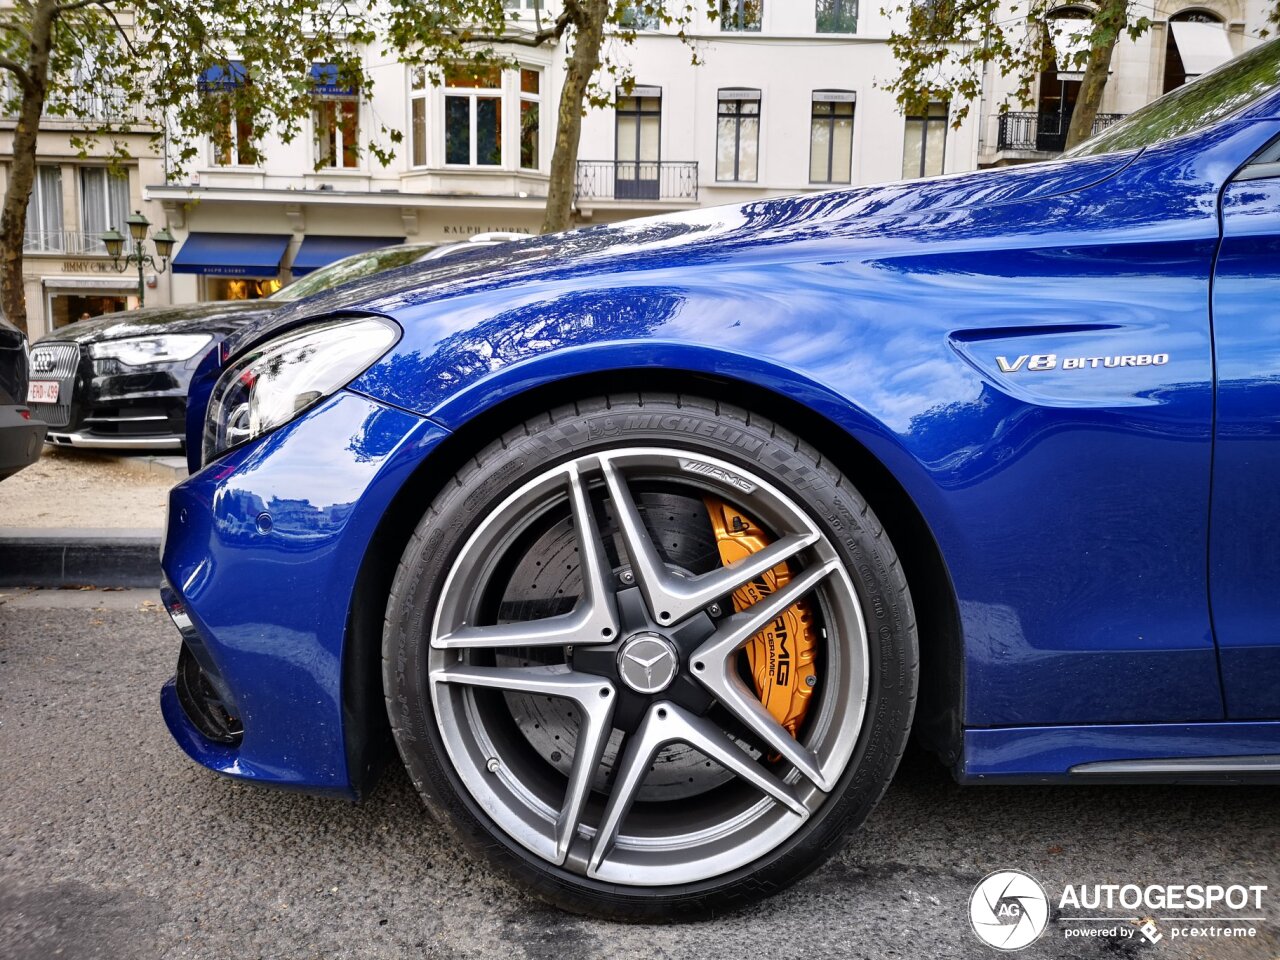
[(114, 845)]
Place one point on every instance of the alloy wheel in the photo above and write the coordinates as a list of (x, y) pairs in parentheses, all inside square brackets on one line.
[(610, 729)]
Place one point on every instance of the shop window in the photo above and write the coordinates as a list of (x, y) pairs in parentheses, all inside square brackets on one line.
[(738, 135), (924, 142), (67, 308), (240, 288), (831, 137)]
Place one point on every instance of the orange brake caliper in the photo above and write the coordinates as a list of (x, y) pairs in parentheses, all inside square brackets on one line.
[(781, 655)]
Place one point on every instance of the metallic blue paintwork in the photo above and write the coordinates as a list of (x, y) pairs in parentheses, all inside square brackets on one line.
[(1245, 561), (1024, 754), (275, 602), (1070, 507)]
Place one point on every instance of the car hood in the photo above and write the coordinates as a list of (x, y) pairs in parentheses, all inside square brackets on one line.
[(769, 227), (220, 317)]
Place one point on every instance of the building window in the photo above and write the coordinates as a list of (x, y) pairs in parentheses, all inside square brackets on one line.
[(530, 108), (337, 125), (924, 142), (44, 212), (1195, 42), (638, 144), (418, 90), (536, 5), (837, 16), (473, 115), (640, 16), (738, 135), (741, 15), (104, 204), (831, 137), (335, 118), (233, 144)]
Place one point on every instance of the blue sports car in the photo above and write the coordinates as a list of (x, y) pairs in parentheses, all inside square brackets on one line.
[(647, 546)]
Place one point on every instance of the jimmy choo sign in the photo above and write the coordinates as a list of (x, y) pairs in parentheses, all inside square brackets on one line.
[(87, 266)]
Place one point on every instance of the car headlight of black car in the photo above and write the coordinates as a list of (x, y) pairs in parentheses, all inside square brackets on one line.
[(280, 378), (139, 351)]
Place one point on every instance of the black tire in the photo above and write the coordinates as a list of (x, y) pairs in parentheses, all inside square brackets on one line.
[(732, 435)]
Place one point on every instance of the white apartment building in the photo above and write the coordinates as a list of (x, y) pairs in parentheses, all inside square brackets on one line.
[(784, 101), (75, 200), (789, 97), (1186, 38)]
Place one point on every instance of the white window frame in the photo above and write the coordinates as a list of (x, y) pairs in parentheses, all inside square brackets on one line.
[(338, 167), (833, 97), (474, 94), (52, 237), (521, 99), (740, 95), (423, 94), (235, 148)]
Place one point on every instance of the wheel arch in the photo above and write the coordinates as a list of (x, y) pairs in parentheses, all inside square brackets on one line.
[(938, 718)]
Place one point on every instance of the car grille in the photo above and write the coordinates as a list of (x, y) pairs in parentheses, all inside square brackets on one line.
[(55, 361)]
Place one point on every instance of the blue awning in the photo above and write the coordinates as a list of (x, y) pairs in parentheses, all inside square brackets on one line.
[(232, 254), (324, 81), (223, 76), (317, 252)]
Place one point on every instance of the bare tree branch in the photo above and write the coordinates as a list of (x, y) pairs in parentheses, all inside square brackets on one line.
[(128, 40), (72, 5)]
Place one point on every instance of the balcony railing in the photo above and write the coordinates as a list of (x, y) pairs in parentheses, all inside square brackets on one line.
[(638, 180), (82, 110), (1046, 132), (71, 242)]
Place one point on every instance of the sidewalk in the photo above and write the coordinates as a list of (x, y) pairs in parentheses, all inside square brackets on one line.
[(68, 489), (82, 518)]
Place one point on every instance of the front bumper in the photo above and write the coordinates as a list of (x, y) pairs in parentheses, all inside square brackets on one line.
[(261, 555), (105, 404), (94, 441)]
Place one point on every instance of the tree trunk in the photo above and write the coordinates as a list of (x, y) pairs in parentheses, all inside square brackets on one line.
[(22, 171), (1112, 16), (584, 61)]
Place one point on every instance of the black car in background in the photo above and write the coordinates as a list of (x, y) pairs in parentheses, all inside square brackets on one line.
[(21, 435), (120, 380)]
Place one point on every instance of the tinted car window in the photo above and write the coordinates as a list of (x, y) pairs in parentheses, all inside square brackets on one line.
[(351, 268), (1216, 95)]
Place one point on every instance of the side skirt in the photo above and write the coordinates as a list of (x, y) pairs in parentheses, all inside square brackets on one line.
[(1226, 752)]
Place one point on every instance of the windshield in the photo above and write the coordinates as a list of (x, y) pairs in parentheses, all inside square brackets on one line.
[(1218, 94), (352, 268)]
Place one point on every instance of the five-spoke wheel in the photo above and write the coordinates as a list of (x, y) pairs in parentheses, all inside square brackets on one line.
[(567, 669)]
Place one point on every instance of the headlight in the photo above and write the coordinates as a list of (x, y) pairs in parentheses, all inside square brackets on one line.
[(136, 351), (280, 378)]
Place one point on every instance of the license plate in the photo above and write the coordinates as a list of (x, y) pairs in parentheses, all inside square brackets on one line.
[(42, 391)]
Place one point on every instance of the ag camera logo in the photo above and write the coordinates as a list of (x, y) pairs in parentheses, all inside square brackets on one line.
[(1008, 910)]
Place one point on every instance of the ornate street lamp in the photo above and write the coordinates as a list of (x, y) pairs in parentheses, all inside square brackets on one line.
[(163, 241)]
